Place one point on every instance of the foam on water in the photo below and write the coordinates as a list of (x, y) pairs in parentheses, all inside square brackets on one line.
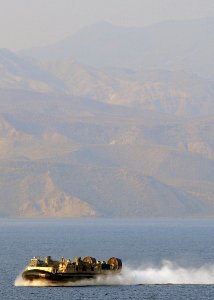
[(167, 273)]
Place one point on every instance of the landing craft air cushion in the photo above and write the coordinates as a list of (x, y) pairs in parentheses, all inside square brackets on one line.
[(66, 270)]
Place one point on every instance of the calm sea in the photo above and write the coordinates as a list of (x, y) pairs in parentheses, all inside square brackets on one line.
[(162, 259)]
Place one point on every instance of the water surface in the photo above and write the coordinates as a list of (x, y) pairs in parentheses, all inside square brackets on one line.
[(155, 254)]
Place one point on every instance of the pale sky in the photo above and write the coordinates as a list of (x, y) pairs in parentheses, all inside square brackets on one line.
[(34, 23)]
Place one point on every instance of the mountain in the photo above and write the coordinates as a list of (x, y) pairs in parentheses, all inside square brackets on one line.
[(171, 45), (62, 156), (21, 73), (170, 92)]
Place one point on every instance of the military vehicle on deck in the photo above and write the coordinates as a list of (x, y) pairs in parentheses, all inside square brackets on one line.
[(66, 270)]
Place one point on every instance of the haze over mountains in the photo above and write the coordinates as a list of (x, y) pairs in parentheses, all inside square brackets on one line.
[(110, 122), (172, 45)]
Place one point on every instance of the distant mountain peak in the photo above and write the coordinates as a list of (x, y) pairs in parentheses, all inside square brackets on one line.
[(102, 23), (171, 45)]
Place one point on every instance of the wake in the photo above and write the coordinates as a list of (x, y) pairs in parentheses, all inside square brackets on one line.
[(167, 273)]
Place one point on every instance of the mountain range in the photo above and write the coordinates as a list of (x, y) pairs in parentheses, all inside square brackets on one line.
[(112, 121)]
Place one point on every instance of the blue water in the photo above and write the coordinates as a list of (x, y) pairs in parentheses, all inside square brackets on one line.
[(162, 259)]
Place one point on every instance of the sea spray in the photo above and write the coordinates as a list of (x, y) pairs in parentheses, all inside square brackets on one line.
[(167, 273)]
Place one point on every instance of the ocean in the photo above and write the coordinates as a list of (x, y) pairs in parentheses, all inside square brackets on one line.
[(162, 259)]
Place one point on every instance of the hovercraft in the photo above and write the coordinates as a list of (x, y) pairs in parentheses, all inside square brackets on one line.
[(66, 270)]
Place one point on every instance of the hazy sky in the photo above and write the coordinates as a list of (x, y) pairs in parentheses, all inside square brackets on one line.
[(32, 23)]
